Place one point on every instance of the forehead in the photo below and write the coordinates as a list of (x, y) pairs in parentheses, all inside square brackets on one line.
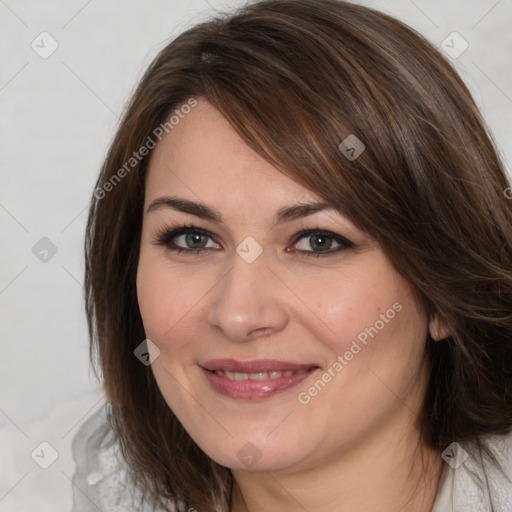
[(202, 157)]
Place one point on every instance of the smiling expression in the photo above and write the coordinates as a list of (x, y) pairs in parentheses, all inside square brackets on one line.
[(251, 297)]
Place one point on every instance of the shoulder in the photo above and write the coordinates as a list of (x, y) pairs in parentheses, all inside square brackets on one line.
[(502, 447), (499, 480), (102, 478), (472, 481)]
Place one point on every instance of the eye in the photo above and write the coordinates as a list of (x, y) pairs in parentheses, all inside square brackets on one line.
[(323, 243), (185, 238), (193, 240)]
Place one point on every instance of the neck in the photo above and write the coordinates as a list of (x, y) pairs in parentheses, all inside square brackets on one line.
[(394, 472)]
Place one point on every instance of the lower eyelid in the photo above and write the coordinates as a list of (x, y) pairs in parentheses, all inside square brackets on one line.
[(165, 239)]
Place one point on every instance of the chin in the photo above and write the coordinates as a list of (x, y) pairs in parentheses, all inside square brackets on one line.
[(257, 453)]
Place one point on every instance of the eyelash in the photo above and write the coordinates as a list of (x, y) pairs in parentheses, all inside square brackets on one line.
[(165, 236)]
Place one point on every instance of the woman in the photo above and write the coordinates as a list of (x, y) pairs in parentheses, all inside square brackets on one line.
[(299, 276)]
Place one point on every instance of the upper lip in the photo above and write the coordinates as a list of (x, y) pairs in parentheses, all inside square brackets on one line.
[(256, 366)]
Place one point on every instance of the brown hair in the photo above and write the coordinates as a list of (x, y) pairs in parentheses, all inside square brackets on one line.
[(294, 79)]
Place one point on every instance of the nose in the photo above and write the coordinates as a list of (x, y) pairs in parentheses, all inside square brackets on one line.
[(249, 302)]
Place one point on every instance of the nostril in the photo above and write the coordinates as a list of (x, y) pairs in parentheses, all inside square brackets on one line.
[(261, 331)]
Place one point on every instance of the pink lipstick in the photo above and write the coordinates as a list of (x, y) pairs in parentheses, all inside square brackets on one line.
[(254, 380)]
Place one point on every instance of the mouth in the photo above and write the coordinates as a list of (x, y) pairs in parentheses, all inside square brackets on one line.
[(254, 379), (258, 375)]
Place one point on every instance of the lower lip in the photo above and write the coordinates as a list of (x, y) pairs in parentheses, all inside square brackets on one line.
[(253, 389)]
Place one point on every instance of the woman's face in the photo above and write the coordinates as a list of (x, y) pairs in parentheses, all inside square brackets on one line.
[(276, 350)]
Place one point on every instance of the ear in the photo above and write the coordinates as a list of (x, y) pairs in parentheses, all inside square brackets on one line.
[(438, 329)]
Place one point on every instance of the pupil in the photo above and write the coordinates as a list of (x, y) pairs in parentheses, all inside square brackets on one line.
[(193, 238), (322, 244)]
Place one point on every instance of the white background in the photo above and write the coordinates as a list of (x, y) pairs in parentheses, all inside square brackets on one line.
[(58, 116)]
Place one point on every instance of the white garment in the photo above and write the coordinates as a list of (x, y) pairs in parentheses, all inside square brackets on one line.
[(101, 479), (24, 485), (474, 484), (89, 475)]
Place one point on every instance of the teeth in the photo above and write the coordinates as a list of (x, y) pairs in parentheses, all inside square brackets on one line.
[(236, 376), (259, 375)]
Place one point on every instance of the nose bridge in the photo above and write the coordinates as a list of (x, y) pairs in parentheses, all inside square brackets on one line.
[(248, 299)]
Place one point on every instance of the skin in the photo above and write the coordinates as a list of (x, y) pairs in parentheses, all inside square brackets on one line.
[(355, 446)]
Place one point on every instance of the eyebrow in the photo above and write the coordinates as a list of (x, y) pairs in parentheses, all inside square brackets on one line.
[(204, 211)]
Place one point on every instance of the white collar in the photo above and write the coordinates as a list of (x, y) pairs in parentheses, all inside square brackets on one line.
[(473, 483)]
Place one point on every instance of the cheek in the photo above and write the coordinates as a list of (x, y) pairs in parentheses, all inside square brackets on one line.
[(173, 304), (165, 297), (382, 351), (360, 302), (151, 296), (370, 320)]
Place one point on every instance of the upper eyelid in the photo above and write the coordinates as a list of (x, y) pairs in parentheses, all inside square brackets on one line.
[(299, 235)]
